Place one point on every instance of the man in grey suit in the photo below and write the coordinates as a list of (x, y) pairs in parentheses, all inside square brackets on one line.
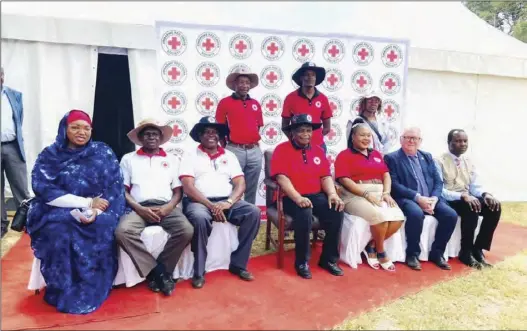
[(13, 155)]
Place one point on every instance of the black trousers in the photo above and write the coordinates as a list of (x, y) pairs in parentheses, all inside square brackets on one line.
[(331, 223), (469, 222)]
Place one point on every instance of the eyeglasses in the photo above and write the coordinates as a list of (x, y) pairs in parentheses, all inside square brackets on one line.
[(414, 139)]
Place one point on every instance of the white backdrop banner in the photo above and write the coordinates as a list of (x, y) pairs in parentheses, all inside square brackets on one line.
[(194, 61)]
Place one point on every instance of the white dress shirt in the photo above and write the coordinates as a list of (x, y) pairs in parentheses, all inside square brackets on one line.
[(8, 123)]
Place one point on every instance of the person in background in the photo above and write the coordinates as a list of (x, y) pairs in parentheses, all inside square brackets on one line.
[(370, 113), (417, 188), (307, 99), (13, 154), (243, 115), (303, 173), (79, 197), (213, 183), (366, 191), (153, 192), (464, 192)]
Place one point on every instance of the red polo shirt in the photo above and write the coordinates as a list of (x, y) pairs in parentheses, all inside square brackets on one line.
[(357, 166), (304, 168), (318, 107), (244, 118)]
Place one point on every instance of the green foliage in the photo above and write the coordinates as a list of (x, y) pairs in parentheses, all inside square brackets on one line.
[(508, 16)]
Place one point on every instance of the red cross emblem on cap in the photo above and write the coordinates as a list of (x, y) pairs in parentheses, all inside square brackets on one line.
[(211, 119), (309, 117)]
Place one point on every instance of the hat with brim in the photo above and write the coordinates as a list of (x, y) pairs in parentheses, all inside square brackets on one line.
[(371, 94), (208, 121), (320, 73), (302, 119), (231, 79), (166, 131)]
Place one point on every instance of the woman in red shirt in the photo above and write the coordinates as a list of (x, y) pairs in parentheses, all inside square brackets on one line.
[(366, 186)]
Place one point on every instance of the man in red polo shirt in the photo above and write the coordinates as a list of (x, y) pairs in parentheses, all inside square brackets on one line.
[(302, 171), (243, 115), (308, 100)]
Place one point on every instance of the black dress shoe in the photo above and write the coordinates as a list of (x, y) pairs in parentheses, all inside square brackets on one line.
[(242, 273), (331, 267), (152, 285), (467, 259), (478, 256), (198, 282), (165, 283), (413, 262), (440, 262), (303, 271)]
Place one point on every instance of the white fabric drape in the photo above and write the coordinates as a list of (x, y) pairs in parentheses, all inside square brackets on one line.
[(143, 82), (53, 79)]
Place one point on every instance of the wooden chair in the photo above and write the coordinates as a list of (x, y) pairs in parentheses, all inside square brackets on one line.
[(276, 216)]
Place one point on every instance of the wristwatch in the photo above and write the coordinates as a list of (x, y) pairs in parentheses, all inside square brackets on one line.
[(229, 200)]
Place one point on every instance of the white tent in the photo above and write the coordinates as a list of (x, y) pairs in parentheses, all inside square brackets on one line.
[(462, 72)]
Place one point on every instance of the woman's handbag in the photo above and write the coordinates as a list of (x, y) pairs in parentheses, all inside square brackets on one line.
[(20, 219)]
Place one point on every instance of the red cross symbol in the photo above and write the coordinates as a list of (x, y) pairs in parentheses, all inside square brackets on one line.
[(303, 50), (240, 46), (207, 74), (271, 77), (272, 48), (174, 73), (331, 159), (208, 44), (174, 43), (271, 133), (391, 56), (361, 81), (331, 134), (333, 51), (207, 103), (332, 79), (363, 53), (389, 111), (176, 130), (271, 105), (389, 84), (174, 102), (333, 106)]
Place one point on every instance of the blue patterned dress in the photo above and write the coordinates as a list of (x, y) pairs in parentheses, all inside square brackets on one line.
[(78, 261)]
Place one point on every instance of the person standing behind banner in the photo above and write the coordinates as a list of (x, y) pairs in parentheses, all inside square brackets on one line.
[(243, 116), (369, 109), (309, 100)]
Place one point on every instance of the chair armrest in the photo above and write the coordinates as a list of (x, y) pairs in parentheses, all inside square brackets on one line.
[(271, 184)]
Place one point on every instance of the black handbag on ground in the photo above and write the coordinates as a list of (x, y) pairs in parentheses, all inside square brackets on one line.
[(20, 219)]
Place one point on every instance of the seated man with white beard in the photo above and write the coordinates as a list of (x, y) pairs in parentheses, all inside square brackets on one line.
[(213, 182)]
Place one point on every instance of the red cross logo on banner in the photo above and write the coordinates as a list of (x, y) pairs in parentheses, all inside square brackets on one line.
[(390, 83), (207, 74), (174, 73), (271, 133), (334, 51), (363, 53), (303, 50), (272, 105), (272, 48), (174, 42), (392, 56), (334, 80), (208, 44), (179, 130), (206, 103), (271, 77), (241, 46), (173, 102)]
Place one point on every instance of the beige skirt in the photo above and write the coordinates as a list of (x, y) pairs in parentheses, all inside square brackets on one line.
[(359, 206)]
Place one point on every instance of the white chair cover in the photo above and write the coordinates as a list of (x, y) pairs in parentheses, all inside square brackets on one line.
[(356, 234), (222, 242)]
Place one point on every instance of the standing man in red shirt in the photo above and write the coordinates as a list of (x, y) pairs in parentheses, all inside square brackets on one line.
[(243, 115), (308, 100)]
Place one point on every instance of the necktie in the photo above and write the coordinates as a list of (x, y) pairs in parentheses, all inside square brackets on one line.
[(421, 182)]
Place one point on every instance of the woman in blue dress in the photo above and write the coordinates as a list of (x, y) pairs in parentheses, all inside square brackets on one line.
[(79, 197)]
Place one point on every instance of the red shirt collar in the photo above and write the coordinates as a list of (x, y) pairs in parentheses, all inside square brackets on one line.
[(161, 153), (220, 152)]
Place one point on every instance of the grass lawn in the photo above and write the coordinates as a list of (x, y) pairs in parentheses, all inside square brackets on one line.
[(489, 299)]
